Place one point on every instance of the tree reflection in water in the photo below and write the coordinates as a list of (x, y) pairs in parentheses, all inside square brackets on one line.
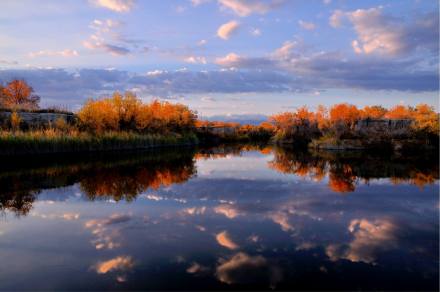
[(346, 169), (125, 176), (119, 177)]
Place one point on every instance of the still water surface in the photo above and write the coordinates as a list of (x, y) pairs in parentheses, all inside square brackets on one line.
[(227, 218)]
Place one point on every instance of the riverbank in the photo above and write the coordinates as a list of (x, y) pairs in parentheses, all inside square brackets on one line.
[(372, 144), (53, 141)]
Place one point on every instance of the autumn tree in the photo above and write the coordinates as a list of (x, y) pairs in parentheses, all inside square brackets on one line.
[(299, 126), (127, 113), (399, 112), (343, 118), (426, 120), (373, 112), (322, 117), (17, 94)]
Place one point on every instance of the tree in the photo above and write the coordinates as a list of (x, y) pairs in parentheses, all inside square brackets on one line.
[(345, 113), (373, 112), (128, 113), (399, 112), (19, 95), (426, 119), (15, 121), (343, 118), (321, 117), (297, 127)]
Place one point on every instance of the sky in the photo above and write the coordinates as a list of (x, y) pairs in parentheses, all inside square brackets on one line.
[(225, 57)]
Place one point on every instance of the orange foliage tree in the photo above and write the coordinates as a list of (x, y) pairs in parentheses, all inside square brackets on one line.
[(426, 120), (373, 112), (298, 126), (399, 112), (17, 94), (127, 112), (344, 113)]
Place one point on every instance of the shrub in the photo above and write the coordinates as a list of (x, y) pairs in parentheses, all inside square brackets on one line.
[(15, 121)]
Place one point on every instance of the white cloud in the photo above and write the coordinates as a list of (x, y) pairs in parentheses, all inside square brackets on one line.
[(307, 25), (243, 268), (120, 263), (199, 2), (194, 211), (336, 18), (224, 239), (230, 211), (388, 35), (112, 49), (63, 53), (229, 60), (195, 60), (7, 62), (356, 48), (247, 7), (202, 42), (227, 29), (256, 32), (196, 268), (370, 238), (105, 29), (180, 9), (207, 99), (115, 5), (285, 51)]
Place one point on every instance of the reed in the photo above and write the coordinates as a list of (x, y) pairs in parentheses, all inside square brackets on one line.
[(56, 141)]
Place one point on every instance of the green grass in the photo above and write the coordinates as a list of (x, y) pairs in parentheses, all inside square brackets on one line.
[(53, 141)]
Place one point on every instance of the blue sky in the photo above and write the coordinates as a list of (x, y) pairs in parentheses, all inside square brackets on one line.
[(224, 56)]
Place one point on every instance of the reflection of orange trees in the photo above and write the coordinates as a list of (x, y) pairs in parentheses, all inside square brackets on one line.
[(126, 183), (19, 203), (298, 163), (15, 197), (344, 172), (124, 177), (341, 178), (416, 178)]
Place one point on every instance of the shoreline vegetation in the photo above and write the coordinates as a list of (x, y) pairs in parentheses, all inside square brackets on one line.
[(124, 122)]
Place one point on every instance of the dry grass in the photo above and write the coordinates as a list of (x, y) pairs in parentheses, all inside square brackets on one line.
[(58, 141)]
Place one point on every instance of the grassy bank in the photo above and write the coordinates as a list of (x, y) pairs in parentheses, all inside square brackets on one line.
[(53, 141)]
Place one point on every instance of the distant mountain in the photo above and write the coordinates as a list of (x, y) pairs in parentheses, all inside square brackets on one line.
[(251, 119)]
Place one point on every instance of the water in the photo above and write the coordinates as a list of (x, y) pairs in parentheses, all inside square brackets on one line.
[(227, 218)]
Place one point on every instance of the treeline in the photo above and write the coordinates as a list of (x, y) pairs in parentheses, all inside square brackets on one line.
[(126, 112), (120, 112), (118, 122), (123, 117), (342, 122)]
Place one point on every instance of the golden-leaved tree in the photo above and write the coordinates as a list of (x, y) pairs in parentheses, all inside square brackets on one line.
[(126, 112), (17, 94)]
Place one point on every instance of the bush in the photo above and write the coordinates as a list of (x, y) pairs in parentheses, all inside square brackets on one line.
[(126, 112)]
